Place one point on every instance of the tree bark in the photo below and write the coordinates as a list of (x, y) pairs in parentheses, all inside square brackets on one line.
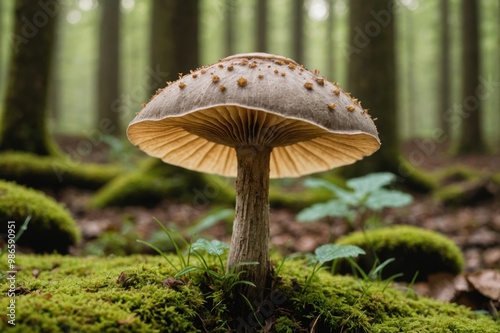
[(250, 238), (185, 35), (229, 10), (471, 137), (330, 40), (109, 68), (298, 31), (372, 79), (444, 84), (261, 18), (161, 43), (24, 120), (174, 38)]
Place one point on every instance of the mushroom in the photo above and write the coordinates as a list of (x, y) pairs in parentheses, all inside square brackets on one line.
[(258, 126)]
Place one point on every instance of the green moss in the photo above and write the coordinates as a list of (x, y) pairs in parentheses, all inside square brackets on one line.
[(126, 294), (54, 172), (152, 182), (456, 174), (51, 227), (413, 249)]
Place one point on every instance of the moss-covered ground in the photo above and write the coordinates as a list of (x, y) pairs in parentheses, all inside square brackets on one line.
[(129, 294)]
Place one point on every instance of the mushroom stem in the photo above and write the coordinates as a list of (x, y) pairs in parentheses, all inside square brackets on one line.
[(249, 242)]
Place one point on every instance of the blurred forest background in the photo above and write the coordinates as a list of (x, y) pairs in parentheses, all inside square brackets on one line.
[(122, 49)]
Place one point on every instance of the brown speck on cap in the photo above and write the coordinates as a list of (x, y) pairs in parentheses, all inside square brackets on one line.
[(222, 87), (215, 79), (182, 85), (143, 105), (276, 71), (351, 108), (308, 85), (203, 71), (180, 75), (242, 81), (320, 81), (195, 75), (230, 67), (331, 106), (336, 92), (252, 65), (244, 63), (291, 66), (220, 65), (283, 73), (260, 76)]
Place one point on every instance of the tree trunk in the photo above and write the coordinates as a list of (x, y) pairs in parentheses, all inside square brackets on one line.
[(109, 68), (372, 78), (298, 31), (161, 44), (410, 43), (444, 84), (471, 137), (185, 35), (330, 40), (173, 39), (229, 10), (24, 120), (261, 18), (250, 238)]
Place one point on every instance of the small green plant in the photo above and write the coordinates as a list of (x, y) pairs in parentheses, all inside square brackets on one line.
[(201, 246), (215, 248), (175, 238), (330, 252), (365, 197)]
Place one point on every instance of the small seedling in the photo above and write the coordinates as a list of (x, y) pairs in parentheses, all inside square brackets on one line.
[(330, 252), (365, 197), (215, 248)]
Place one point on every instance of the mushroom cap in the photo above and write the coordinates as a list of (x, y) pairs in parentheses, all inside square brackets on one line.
[(254, 100)]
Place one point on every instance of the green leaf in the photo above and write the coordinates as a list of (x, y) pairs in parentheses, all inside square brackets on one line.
[(371, 182), (387, 198), (187, 269), (211, 220), (214, 247), (331, 208), (329, 252), (347, 197)]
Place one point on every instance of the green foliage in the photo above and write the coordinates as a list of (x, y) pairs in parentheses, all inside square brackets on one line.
[(54, 172), (127, 294), (214, 248), (51, 228), (415, 251), (330, 252), (366, 196)]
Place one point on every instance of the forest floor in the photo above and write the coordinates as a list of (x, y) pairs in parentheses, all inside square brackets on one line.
[(475, 228)]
